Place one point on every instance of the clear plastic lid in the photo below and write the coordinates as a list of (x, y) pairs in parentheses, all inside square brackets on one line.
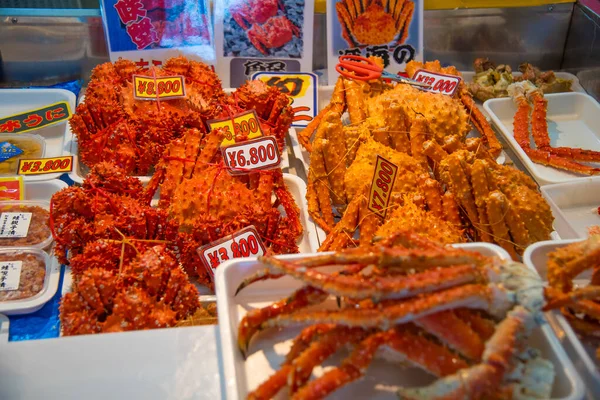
[(16, 147), (25, 223)]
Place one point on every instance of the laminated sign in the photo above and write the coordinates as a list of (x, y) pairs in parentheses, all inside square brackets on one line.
[(392, 30), (149, 32), (262, 35)]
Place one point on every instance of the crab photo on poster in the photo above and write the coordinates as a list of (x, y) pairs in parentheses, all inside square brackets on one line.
[(263, 28)]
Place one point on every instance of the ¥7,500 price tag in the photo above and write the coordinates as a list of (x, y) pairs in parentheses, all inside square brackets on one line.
[(242, 158), (381, 187), (162, 88), (243, 243), (440, 83), (243, 124), (40, 166)]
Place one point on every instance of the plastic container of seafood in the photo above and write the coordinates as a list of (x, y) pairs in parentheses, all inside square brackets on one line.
[(4, 325), (268, 350), (574, 206), (32, 277), (31, 224), (43, 190), (573, 121), (582, 352), (16, 147), (15, 101)]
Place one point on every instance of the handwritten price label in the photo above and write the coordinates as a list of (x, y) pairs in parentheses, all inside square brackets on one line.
[(381, 187), (244, 243), (40, 166), (261, 153), (244, 124), (440, 83), (162, 88)]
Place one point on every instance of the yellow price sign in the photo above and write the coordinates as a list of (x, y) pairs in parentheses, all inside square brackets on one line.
[(162, 88), (39, 166), (244, 125), (381, 187)]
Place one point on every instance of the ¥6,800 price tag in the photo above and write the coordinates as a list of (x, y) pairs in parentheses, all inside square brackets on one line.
[(243, 124), (162, 88), (243, 243), (381, 187), (440, 83), (40, 166), (261, 153)]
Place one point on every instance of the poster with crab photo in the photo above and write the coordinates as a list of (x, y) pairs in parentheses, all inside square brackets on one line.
[(149, 32), (262, 36), (390, 29)]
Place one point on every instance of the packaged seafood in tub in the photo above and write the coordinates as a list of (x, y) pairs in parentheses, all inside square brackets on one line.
[(30, 222), (16, 147)]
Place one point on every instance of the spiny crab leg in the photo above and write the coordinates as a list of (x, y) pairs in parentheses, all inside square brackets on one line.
[(555, 299)]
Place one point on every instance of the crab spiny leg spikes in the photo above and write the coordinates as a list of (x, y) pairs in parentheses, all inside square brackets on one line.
[(355, 100), (368, 222), (334, 156), (521, 122), (341, 236), (484, 327), (495, 206), (545, 158), (539, 125), (305, 338), (451, 211), (481, 124), (434, 151), (252, 321), (317, 193), (556, 299), (418, 135), (479, 180), (575, 153), (566, 263), (433, 197), (459, 183)]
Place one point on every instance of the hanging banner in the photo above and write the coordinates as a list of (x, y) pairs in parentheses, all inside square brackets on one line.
[(262, 35), (392, 30), (149, 32)]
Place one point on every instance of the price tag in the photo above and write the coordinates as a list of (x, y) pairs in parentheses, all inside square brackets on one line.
[(14, 224), (261, 153), (162, 87), (440, 83), (36, 119), (245, 124), (301, 87), (10, 275), (381, 186), (38, 166), (12, 188), (243, 243)]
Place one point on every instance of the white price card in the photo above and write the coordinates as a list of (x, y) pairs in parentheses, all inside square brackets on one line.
[(243, 243), (14, 224), (261, 153), (439, 83), (10, 275)]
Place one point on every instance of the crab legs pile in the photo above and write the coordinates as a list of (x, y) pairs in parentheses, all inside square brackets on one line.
[(462, 317)]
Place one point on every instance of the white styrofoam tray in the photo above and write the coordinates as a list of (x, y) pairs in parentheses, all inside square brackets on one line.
[(573, 121), (574, 205), (268, 349), (582, 352), (576, 86), (14, 101)]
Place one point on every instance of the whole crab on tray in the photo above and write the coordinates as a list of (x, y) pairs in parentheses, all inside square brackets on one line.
[(460, 316)]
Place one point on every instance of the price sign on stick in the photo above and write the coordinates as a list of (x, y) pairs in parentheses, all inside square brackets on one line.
[(440, 83), (39, 166), (381, 187), (159, 88), (243, 243), (261, 153), (246, 124)]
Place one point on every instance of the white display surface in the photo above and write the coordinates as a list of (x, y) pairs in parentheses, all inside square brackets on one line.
[(175, 363)]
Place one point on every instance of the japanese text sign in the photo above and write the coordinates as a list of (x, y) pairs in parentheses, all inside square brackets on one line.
[(439, 83), (245, 124), (384, 178), (243, 243), (301, 87), (14, 224), (39, 166), (261, 153), (10, 275), (163, 87), (36, 119)]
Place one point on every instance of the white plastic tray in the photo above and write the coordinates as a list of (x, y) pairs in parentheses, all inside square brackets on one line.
[(14, 101), (583, 353), (574, 205), (4, 325), (269, 348), (573, 121)]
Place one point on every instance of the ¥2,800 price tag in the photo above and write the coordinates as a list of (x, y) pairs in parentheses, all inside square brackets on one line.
[(440, 83), (381, 187), (243, 243), (242, 158), (244, 124), (40, 166), (162, 88)]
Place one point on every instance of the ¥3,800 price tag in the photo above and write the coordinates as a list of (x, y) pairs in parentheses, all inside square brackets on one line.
[(243, 243), (244, 124), (242, 158), (381, 187), (162, 88), (40, 166), (440, 83)]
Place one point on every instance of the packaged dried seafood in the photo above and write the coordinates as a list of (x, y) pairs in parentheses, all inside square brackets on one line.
[(25, 223), (23, 274)]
